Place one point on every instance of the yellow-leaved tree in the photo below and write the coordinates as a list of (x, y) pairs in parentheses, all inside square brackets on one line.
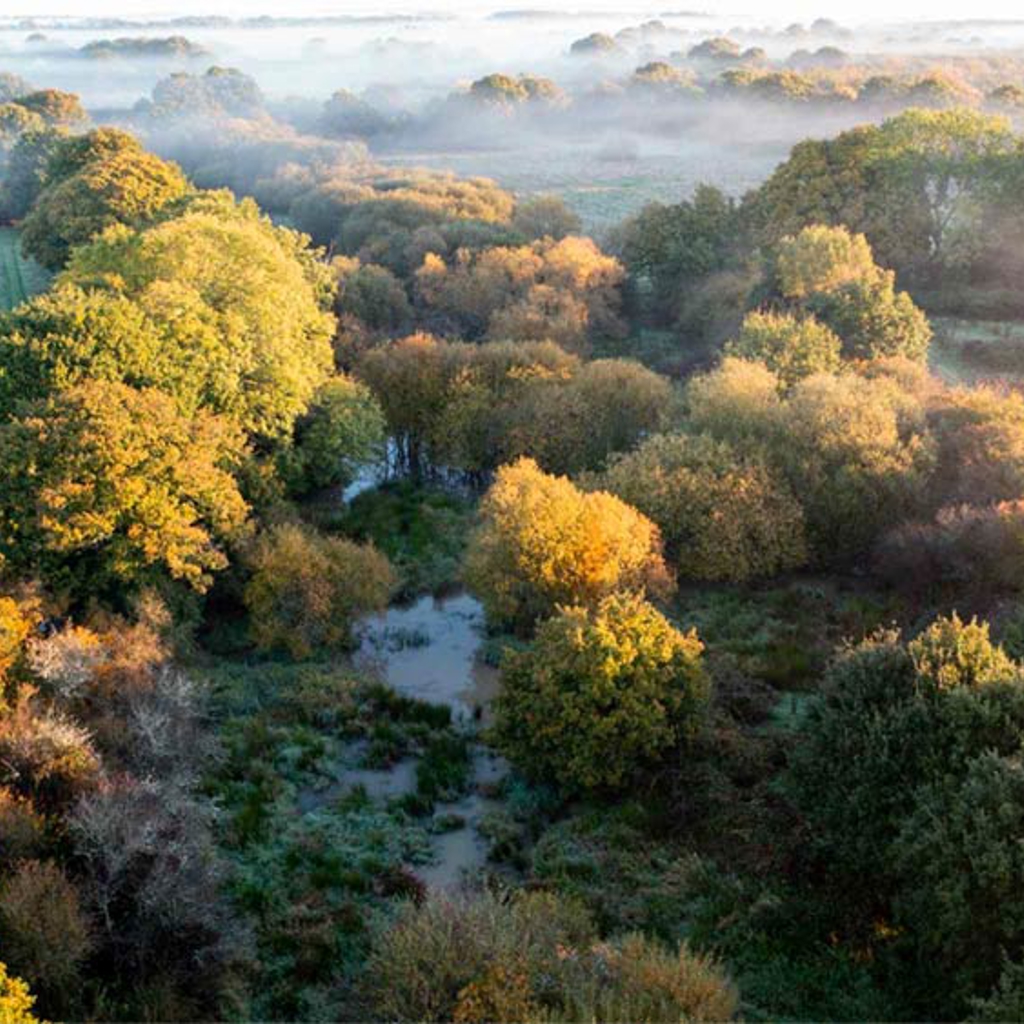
[(543, 542)]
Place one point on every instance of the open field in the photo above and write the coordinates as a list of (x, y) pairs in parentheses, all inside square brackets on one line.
[(20, 278), (969, 351)]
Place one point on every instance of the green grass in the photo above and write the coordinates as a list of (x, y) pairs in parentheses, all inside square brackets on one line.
[(967, 351), (314, 861), (422, 530), (20, 278)]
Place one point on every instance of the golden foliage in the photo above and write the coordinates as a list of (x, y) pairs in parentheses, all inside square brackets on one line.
[(543, 542), (307, 590)]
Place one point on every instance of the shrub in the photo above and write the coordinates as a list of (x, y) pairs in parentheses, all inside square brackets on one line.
[(42, 928), (542, 542), (15, 1000), (601, 694), (14, 630), (307, 590), (914, 828), (423, 962), (960, 859), (723, 515), (791, 347), (44, 755), (22, 829), (534, 957), (66, 660), (636, 979), (964, 545), (153, 881)]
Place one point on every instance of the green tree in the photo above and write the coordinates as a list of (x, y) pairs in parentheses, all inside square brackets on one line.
[(602, 693), (723, 515), (791, 347), (343, 428), (111, 484), (126, 188), (254, 294)]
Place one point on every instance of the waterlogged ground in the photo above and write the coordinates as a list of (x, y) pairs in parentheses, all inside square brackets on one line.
[(430, 650)]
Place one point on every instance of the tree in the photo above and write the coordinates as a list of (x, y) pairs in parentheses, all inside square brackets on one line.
[(111, 484), (371, 294), (565, 291), (831, 274), (127, 188), (253, 295), (895, 721), (921, 186), (723, 515), (343, 428), (674, 248), (27, 167), (45, 934), (859, 458), (602, 693), (542, 542), (791, 347), (55, 107), (307, 590), (608, 406), (16, 1001), (545, 217)]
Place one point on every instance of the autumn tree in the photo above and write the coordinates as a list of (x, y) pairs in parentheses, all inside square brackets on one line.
[(831, 274), (724, 515), (126, 188), (250, 299), (108, 484), (791, 347), (542, 542), (307, 590), (56, 107), (564, 291), (602, 693)]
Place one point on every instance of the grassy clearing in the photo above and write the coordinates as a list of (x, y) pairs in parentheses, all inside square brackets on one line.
[(20, 278), (316, 855), (969, 351)]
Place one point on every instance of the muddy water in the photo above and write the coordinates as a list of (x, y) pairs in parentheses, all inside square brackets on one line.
[(430, 650)]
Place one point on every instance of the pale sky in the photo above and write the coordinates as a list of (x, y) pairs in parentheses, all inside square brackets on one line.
[(843, 10)]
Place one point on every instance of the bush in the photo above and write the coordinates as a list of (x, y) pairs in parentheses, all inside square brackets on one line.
[(422, 963), (153, 881), (22, 828), (15, 1000), (724, 516), (600, 695), (907, 773), (791, 347), (307, 590), (45, 755), (542, 542), (43, 930), (534, 957)]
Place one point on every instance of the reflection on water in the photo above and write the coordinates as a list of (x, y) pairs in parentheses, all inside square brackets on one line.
[(429, 650)]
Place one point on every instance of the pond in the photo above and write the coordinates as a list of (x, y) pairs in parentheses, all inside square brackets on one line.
[(430, 650)]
